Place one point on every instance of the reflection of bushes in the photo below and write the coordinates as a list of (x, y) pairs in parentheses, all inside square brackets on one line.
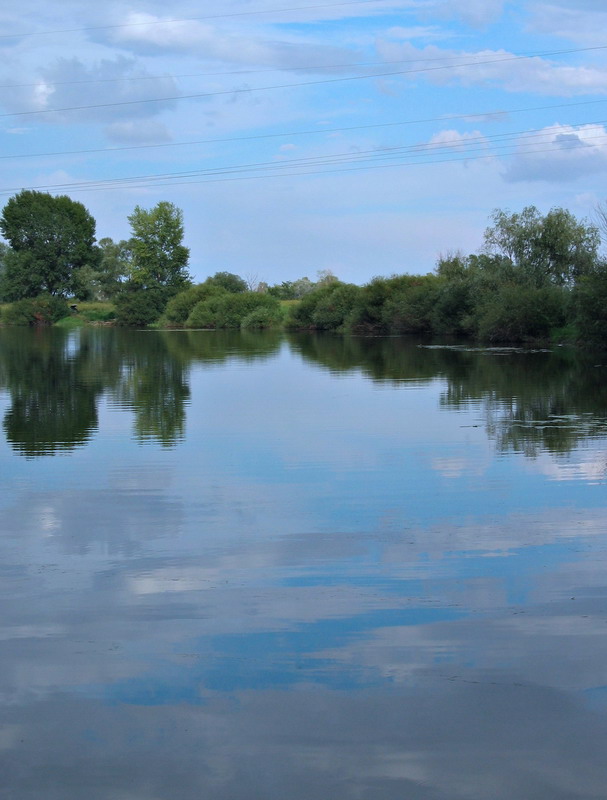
[(213, 346), (531, 401)]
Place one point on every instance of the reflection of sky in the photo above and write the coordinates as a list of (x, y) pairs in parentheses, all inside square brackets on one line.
[(331, 585)]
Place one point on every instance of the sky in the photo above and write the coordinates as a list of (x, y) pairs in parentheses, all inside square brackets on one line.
[(367, 137)]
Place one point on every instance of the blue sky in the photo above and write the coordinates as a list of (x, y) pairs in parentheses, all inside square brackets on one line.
[(299, 135)]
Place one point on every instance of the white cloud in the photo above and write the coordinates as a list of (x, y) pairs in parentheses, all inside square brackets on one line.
[(581, 21), (560, 153), (69, 83), (493, 68), (149, 34), (452, 139)]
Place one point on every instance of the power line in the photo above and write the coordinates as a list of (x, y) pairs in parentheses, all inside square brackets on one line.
[(224, 179), (286, 68), (314, 131), (311, 165), (187, 19), (259, 88)]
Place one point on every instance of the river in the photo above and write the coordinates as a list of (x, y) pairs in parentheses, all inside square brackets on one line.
[(267, 567)]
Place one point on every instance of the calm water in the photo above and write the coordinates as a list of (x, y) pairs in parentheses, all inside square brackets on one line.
[(248, 567)]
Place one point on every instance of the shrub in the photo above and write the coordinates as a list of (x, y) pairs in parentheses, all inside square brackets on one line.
[(229, 310), (138, 307), (590, 307), (522, 313), (301, 316), (228, 281), (334, 307), (42, 310), (180, 306), (263, 317), (409, 309), (453, 307)]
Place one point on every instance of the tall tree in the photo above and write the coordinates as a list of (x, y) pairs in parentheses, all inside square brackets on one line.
[(51, 240), (158, 256), (551, 249)]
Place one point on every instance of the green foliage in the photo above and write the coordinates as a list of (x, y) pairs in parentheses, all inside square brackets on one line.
[(263, 318), (409, 310), (138, 306), (335, 305), (292, 290), (51, 240), (519, 314), (180, 306), (42, 310), (301, 316), (367, 315), (158, 257), (229, 310), (552, 249), (228, 281), (453, 307), (590, 306), (113, 268), (96, 312)]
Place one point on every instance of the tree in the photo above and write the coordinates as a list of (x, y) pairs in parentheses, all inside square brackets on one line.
[(51, 239), (229, 281), (158, 257), (552, 249), (113, 267)]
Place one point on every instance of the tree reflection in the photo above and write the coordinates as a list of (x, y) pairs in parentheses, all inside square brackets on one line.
[(153, 384), (53, 392), (530, 400), (55, 379)]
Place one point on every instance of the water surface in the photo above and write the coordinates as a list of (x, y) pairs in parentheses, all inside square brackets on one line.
[(250, 567)]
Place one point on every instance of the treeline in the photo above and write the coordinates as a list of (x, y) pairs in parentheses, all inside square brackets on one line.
[(52, 255), (537, 277)]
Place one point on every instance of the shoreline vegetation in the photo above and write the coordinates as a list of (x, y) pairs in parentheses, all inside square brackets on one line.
[(537, 278)]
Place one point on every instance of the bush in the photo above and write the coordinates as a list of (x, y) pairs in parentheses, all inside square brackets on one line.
[(409, 309), (138, 307), (453, 307), (228, 281), (180, 306), (42, 310), (263, 317), (334, 307), (522, 313), (590, 307), (301, 316), (229, 310)]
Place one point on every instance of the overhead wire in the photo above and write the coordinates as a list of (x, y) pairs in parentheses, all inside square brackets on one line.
[(290, 68), (314, 131), (311, 165), (191, 19), (241, 90)]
